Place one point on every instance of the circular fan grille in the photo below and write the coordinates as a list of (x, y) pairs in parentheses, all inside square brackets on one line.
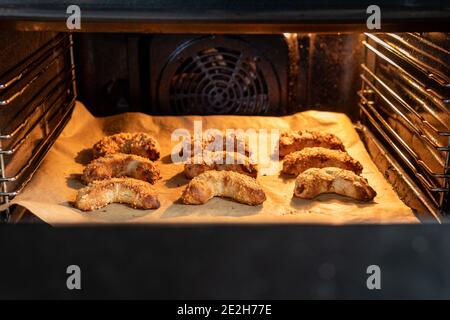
[(219, 80)]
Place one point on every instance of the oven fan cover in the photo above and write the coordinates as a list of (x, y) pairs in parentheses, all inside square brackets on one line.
[(218, 75)]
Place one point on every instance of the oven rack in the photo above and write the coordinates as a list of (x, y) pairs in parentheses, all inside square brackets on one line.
[(423, 60), (405, 98), (42, 122), (437, 102), (436, 193), (46, 106), (38, 66), (412, 117), (370, 105), (37, 97), (38, 156), (409, 158), (407, 188)]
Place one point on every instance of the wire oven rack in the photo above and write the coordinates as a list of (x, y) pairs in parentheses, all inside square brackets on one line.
[(405, 99), (36, 100)]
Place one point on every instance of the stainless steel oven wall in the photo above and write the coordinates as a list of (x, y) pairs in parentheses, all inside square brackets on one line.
[(37, 94), (109, 68), (327, 75)]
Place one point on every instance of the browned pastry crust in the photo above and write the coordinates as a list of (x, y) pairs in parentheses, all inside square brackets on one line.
[(136, 193), (318, 157), (139, 143), (239, 143), (218, 161), (121, 165), (229, 184), (292, 141), (313, 182)]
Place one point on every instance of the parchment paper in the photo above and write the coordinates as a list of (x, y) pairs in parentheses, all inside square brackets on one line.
[(56, 182)]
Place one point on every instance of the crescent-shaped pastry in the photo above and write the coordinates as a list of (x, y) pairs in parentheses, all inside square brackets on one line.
[(292, 141), (139, 143), (121, 165), (221, 161), (318, 157), (238, 142), (228, 184), (314, 182), (136, 193)]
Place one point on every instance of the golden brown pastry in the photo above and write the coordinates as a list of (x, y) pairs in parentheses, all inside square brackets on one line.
[(136, 193), (228, 184), (314, 182), (139, 143), (318, 157), (121, 165), (239, 143), (292, 141), (218, 161)]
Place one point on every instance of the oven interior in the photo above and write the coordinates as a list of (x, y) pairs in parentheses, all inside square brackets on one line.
[(393, 86)]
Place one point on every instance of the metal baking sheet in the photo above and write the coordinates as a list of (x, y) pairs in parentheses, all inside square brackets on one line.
[(55, 184)]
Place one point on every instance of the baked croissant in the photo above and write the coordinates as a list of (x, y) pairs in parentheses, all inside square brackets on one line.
[(228, 184), (139, 143), (318, 157), (314, 182), (292, 141), (120, 165), (239, 143), (218, 161), (136, 193)]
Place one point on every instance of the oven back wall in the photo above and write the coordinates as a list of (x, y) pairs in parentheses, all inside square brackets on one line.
[(226, 74)]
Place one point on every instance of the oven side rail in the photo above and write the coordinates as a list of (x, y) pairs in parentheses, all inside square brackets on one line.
[(37, 97)]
